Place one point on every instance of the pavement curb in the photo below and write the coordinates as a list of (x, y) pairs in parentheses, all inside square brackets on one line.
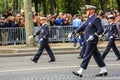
[(57, 48)]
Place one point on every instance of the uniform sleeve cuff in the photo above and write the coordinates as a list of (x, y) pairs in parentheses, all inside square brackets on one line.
[(96, 34)]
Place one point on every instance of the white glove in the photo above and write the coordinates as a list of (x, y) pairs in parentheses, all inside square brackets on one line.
[(30, 37), (69, 35), (41, 39), (111, 37), (100, 36), (79, 37), (90, 38)]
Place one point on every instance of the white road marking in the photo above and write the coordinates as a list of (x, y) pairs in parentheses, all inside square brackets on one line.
[(106, 78), (45, 68)]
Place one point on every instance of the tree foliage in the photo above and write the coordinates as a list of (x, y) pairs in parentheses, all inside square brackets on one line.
[(1, 6), (66, 6)]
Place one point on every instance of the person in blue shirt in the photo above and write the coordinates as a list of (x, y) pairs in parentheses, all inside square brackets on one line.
[(76, 23), (58, 24)]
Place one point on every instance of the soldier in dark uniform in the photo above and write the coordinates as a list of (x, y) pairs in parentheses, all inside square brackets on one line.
[(43, 33), (93, 28), (112, 32)]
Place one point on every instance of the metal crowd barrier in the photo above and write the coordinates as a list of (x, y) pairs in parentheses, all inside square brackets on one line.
[(12, 35), (60, 33), (18, 35)]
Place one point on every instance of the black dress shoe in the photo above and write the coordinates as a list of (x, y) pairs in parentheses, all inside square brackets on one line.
[(102, 74), (33, 60), (117, 59), (77, 74), (79, 57), (51, 61)]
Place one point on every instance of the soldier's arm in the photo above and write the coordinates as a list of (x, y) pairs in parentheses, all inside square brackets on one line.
[(46, 32), (115, 30), (80, 29), (37, 33), (99, 27), (106, 30)]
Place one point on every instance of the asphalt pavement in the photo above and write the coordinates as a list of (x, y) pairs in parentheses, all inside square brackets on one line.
[(22, 68)]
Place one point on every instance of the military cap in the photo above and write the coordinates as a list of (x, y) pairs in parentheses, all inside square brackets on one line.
[(110, 16), (90, 7), (42, 18)]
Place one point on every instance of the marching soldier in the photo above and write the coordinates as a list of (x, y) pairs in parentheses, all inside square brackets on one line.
[(43, 33), (112, 32), (93, 28)]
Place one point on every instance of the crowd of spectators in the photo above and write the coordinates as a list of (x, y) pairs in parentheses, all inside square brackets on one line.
[(62, 19), (10, 21)]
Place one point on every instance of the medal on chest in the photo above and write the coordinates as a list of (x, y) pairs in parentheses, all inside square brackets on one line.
[(42, 30), (89, 24)]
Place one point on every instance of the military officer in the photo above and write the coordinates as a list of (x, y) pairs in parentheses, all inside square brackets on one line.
[(112, 32), (93, 28), (43, 33)]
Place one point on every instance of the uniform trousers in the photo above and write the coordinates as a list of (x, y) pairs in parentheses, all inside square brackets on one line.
[(91, 49), (43, 45), (111, 44), (81, 54)]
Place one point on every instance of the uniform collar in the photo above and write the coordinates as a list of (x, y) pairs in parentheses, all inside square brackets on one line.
[(44, 24), (91, 15), (111, 23)]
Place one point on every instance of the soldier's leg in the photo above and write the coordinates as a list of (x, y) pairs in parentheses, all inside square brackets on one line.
[(115, 50), (82, 51), (87, 55), (107, 49), (88, 52), (100, 63), (39, 52), (98, 58), (49, 51)]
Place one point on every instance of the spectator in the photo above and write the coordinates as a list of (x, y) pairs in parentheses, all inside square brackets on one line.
[(4, 32), (58, 23), (52, 21), (76, 23), (104, 22)]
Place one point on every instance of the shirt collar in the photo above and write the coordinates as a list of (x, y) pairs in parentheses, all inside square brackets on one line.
[(44, 23), (111, 22), (91, 15)]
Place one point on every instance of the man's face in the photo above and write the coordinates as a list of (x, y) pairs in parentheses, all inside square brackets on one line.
[(110, 20), (90, 11)]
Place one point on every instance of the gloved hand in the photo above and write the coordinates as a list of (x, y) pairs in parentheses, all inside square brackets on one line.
[(100, 36), (70, 35), (90, 38), (30, 37), (41, 39), (111, 37)]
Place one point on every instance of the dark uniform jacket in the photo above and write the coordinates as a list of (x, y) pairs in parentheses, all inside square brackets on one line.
[(111, 30), (92, 26), (43, 31)]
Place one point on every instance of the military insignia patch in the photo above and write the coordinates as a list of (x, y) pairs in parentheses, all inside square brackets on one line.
[(90, 24), (42, 31)]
